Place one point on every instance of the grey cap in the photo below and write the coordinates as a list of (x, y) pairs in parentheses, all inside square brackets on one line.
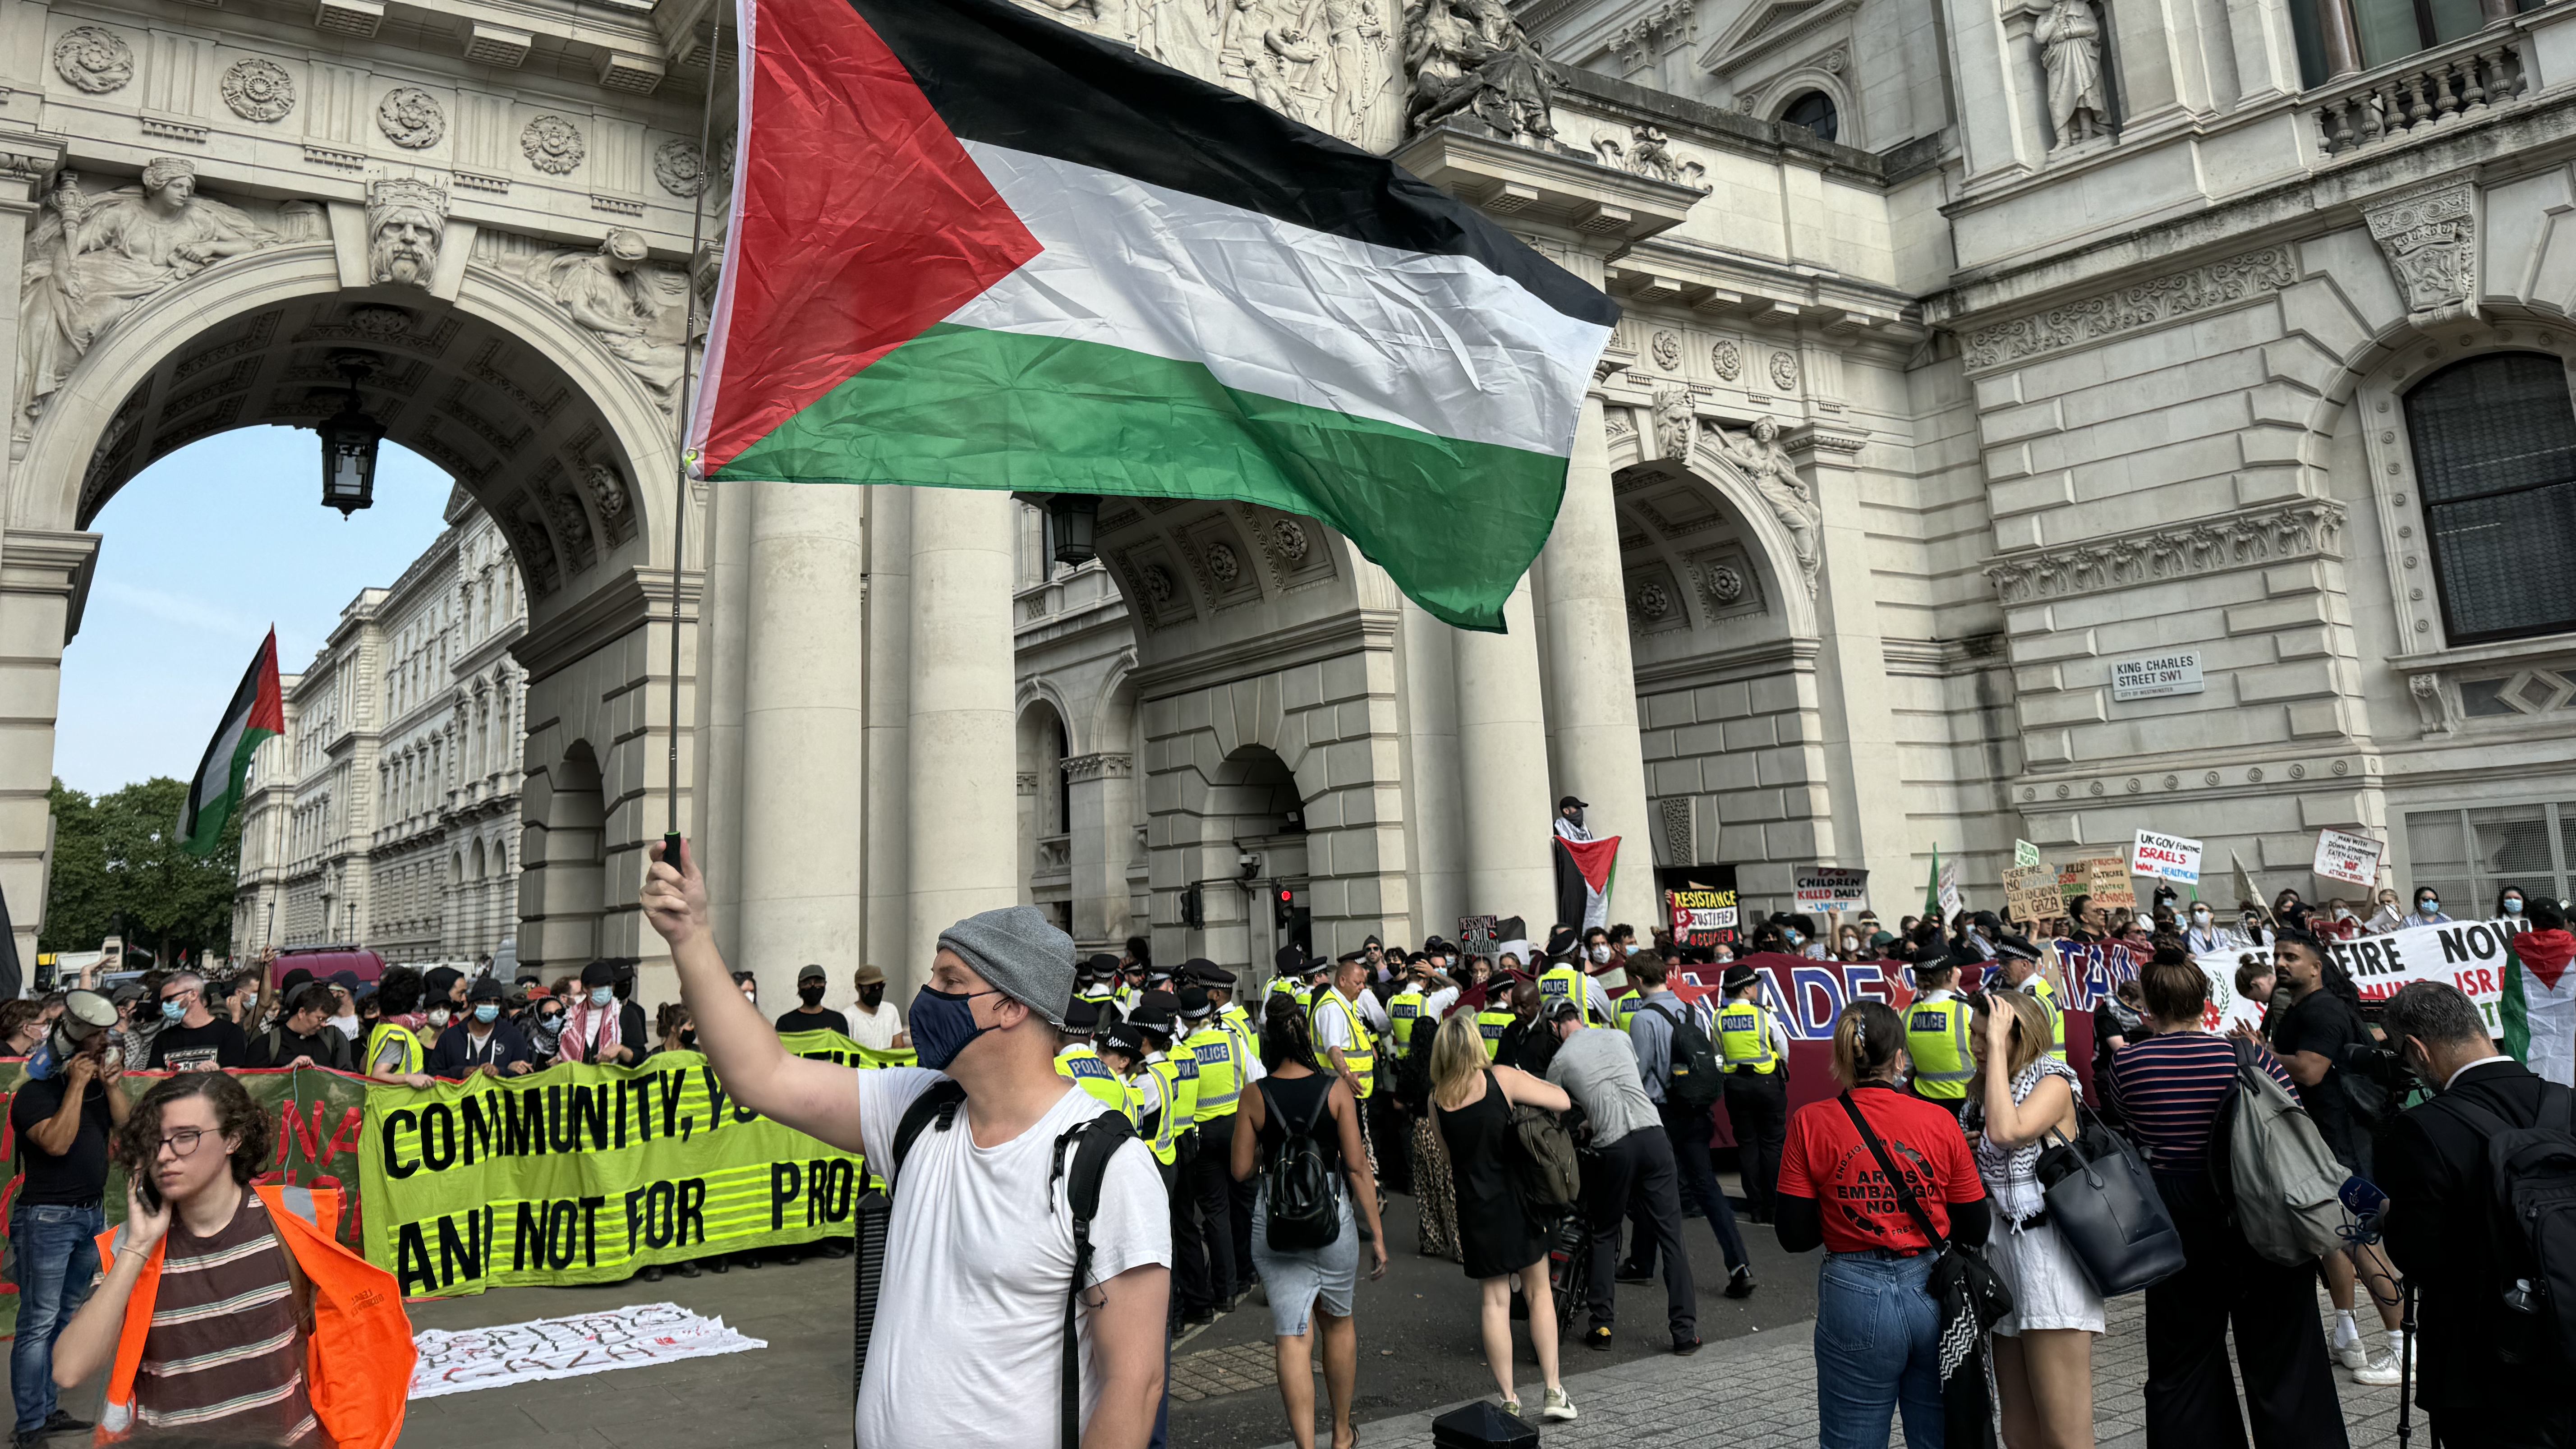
[(1022, 953)]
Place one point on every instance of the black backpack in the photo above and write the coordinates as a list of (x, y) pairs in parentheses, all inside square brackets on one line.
[(1697, 1078), (2532, 1177), (1305, 1209), (1091, 1145)]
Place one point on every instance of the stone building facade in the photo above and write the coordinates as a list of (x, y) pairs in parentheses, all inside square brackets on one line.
[(1971, 350), (388, 813)]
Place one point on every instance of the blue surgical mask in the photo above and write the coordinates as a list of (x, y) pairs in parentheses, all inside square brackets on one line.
[(486, 1011), (174, 1010), (602, 995), (2513, 905), (943, 1022)]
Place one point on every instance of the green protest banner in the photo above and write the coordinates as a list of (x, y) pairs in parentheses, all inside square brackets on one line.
[(585, 1174), (317, 1121)]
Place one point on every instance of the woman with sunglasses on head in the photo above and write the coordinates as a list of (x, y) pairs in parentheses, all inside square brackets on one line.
[(215, 1290)]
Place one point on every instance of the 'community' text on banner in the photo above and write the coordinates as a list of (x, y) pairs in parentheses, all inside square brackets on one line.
[(585, 1174)]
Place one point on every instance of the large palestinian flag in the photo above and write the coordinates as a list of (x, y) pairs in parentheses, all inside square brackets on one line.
[(974, 247), (2538, 1002), (258, 711)]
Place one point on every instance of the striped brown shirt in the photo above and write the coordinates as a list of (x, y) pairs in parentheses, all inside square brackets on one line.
[(225, 1357)]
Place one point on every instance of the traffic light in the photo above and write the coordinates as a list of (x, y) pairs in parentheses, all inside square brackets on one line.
[(1283, 906)]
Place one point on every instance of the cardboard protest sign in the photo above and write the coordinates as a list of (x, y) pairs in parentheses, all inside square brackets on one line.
[(2106, 880), (2031, 893), (2342, 855), (1831, 888), (2165, 857)]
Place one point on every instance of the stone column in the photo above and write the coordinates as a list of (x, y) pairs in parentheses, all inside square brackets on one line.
[(724, 639), (959, 726), (1435, 834), (1592, 682), (802, 729), (1865, 771), (888, 857), (1102, 831), (1502, 770), (43, 578), (2339, 34)]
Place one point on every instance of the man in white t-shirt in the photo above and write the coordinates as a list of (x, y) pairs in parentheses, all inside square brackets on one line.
[(979, 1256), (874, 1024)]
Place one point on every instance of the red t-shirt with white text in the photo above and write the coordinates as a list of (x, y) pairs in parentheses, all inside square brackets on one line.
[(1824, 1158)]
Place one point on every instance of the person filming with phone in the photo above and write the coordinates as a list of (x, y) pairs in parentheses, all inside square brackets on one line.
[(221, 1297), (63, 1120)]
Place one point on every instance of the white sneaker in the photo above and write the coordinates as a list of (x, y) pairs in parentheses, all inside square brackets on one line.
[(2353, 1354), (1560, 1406), (2379, 1372)]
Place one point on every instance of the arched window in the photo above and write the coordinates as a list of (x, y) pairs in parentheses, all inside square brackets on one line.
[(2495, 458), (1815, 111)]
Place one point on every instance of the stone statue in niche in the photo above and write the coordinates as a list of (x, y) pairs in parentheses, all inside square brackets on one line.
[(1470, 59), (91, 259), (406, 220), (1758, 454), (609, 492), (635, 311), (2070, 47), (1675, 421)]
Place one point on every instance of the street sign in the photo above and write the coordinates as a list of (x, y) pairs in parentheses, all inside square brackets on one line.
[(2155, 676)]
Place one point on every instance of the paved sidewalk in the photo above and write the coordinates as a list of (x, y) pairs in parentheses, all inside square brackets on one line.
[(1767, 1384)]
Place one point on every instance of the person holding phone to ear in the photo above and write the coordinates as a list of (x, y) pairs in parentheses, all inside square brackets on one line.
[(63, 1121)]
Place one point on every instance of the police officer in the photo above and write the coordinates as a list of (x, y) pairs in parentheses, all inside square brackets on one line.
[(1495, 1014), (2017, 963), (1098, 984), (1936, 1037), (1168, 1083), (1565, 980), (1079, 1062), (1289, 979), (1210, 1175), (1756, 1052), (1340, 1025), (1404, 1008)]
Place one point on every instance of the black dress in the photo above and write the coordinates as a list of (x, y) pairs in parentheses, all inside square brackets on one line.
[(1496, 1235)]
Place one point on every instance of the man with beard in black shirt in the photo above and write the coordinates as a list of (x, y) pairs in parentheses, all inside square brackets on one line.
[(193, 1038)]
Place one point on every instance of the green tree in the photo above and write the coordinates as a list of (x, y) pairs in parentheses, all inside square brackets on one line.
[(120, 852)]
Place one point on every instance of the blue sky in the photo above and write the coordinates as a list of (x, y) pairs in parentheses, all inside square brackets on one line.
[(200, 555)]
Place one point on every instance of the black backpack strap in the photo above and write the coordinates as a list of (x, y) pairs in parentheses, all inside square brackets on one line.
[(940, 1103), (1895, 1180), (1092, 1145)]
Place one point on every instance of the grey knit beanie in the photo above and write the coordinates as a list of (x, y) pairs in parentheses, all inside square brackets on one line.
[(1022, 953)]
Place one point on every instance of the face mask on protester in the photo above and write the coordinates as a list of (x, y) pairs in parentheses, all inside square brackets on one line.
[(811, 995), (602, 995), (174, 1010), (1600, 954), (487, 1011), (943, 1022), (689, 1039), (2513, 905), (872, 996), (1792, 937), (2429, 904), (2200, 915), (438, 1016)]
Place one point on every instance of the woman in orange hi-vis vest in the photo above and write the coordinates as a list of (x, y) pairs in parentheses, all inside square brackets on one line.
[(228, 1310)]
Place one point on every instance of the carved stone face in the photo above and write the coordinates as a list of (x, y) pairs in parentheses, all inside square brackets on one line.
[(402, 246)]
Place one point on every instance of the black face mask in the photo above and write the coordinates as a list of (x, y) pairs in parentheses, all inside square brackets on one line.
[(810, 995), (689, 1039), (871, 996)]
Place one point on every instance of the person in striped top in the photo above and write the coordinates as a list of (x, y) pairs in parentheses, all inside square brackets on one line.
[(2171, 1087)]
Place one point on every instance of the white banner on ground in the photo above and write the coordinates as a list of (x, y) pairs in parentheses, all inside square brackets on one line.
[(2342, 855), (636, 1336), (2470, 955), (2165, 857)]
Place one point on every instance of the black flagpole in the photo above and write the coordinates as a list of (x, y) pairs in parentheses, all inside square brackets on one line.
[(680, 494)]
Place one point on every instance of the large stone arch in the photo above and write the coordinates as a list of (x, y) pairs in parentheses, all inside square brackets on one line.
[(479, 369)]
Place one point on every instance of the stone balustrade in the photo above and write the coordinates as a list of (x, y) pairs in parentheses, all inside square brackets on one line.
[(2424, 90)]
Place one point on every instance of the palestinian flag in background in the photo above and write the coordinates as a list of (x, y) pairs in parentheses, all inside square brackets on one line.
[(1583, 872), (974, 247), (258, 711), (2538, 1004)]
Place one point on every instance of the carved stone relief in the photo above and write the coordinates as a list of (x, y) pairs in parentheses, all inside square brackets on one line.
[(636, 311), (2127, 309), (1648, 152), (92, 258), (411, 118), (679, 167), (258, 90), (93, 58), (552, 145), (2429, 236), (1758, 455), (1676, 424), (406, 220), (1784, 371), (1471, 64), (1727, 359), (2272, 535), (608, 494), (1680, 833)]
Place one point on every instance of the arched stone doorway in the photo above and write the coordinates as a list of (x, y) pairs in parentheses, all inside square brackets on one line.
[(1046, 844), (211, 309), (561, 885)]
